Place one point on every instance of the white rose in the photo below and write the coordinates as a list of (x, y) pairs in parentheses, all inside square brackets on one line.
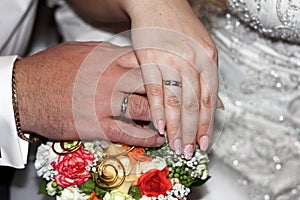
[(44, 157), (156, 163), (117, 195), (71, 193), (144, 197)]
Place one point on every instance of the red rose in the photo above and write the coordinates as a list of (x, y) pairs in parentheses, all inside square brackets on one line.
[(71, 168), (155, 182)]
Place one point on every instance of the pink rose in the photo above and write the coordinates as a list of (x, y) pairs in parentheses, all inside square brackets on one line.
[(71, 168)]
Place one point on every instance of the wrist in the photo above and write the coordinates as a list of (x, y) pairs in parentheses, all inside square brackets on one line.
[(155, 13), (22, 91)]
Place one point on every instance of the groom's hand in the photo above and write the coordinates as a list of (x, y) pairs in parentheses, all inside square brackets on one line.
[(84, 91)]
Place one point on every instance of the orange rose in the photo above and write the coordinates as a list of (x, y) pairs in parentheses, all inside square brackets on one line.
[(138, 154), (155, 182), (93, 196)]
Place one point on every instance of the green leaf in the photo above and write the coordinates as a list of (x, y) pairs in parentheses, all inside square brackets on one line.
[(199, 182), (134, 191), (88, 187), (43, 187), (100, 192)]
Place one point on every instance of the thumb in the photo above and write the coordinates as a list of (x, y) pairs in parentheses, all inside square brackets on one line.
[(129, 59)]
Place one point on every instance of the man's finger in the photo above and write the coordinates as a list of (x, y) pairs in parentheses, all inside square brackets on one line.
[(131, 106), (138, 108), (127, 133)]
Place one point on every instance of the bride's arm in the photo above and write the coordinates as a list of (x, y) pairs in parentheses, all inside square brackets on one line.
[(102, 11)]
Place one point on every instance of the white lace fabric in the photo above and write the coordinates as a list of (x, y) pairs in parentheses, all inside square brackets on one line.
[(279, 19), (259, 58)]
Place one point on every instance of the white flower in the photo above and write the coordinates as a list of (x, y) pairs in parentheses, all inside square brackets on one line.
[(51, 191), (178, 190), (189, 163), (178, 164), (204, 175), (161, 197), (89, 146), (144, 197), (71, 193), (44, 157), (117, 195), (156, 163)]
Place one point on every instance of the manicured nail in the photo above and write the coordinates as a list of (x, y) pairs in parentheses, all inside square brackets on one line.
[(177, 146), (188, 151), (204, 143), (161, 126)]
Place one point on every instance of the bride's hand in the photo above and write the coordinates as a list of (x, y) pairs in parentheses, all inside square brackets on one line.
[(80, 91), (172, 45)]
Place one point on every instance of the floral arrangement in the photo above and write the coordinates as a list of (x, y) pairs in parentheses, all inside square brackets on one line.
[(102, 170)]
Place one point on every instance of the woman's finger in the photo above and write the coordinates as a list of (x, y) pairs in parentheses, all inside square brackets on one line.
[(153, 85), (172, 101), (190, 111), (208, 99)]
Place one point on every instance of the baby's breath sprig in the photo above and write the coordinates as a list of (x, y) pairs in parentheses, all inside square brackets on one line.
[(189, 172)]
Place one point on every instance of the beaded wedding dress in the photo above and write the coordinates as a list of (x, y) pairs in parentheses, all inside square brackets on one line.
[(259, 61)]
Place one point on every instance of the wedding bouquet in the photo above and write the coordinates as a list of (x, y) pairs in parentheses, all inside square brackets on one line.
[(96, 170)]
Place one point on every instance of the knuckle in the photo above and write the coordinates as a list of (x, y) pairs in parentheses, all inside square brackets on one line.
[(147, 142), (207, 102), (138, 106), (115, 134), (192, 106), (187, 50), (211, 51), (173, 101), (189, 55), (154, 90)]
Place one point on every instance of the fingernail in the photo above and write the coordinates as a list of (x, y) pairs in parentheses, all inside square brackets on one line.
[(160, 141), (188, 151), (161, 126), (177, 146), (204, 142)]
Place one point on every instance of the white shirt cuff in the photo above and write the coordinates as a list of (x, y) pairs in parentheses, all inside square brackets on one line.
[(14, 150)]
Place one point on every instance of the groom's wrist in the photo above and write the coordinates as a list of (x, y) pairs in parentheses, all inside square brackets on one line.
[(24, 96)]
